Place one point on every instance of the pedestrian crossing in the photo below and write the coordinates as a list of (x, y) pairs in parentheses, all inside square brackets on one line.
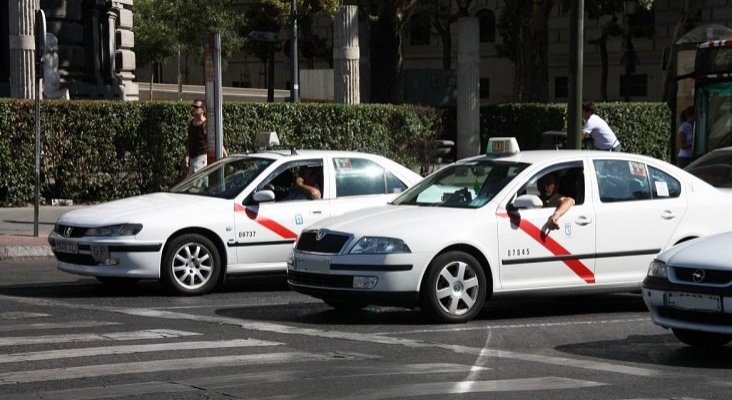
[(176, 363)]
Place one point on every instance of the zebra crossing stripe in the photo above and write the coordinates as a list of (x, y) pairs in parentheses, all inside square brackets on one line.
[(91, 371), (90, 337), (56, 325), (131, 349)]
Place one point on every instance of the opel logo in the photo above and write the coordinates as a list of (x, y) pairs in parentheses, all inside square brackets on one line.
[(320, 234), (698, 275), (67, 231)]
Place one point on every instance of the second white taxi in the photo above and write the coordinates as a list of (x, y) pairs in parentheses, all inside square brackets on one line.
[(477, 228), (239, 215)]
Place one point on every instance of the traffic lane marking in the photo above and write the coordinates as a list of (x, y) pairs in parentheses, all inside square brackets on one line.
[(91, 337)]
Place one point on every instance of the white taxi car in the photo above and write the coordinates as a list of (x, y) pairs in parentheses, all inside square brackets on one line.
[(239, 215), (477, 228), (689, 289)]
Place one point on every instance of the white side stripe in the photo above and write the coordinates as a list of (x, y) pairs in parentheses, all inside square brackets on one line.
[(131, 349), (90, 337), (56, 325)]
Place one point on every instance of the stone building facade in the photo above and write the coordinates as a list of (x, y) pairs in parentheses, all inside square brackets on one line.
[(95, 47)]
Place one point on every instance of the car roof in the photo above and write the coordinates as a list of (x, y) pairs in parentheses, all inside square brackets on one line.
[(538, 156), (305, 153)]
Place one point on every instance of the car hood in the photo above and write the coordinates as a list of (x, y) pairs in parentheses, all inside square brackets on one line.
[(139, 209), (395, 221), (714, 251)]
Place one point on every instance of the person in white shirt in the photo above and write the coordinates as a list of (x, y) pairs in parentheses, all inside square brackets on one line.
[(603, 138)]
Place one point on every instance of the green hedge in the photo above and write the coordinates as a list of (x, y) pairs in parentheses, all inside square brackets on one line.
[(102, 150), (642, 128)]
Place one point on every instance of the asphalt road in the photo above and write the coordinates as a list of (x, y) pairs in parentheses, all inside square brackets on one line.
[(69, 337)]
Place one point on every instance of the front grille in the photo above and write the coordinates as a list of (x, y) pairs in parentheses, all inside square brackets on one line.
[(322, 280), (711, 276), (78, 259), (699, 317), (331, 243), (69, 231)]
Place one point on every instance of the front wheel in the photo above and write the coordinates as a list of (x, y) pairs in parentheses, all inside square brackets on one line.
[(191, 265), (455, 287), (701, 339)]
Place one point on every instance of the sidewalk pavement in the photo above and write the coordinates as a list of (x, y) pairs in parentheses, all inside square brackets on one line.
[(17, 238)]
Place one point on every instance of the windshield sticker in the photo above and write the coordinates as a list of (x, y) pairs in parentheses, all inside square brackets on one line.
[(661, 188), (343, 163), (637, 168), (298, 219)]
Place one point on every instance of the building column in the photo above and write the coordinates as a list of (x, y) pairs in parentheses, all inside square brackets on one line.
[(346, 72), (468, 88), (123, 42), (21, 18)]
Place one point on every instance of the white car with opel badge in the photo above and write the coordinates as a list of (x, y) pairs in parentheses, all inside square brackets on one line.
[(239, 215), (478, 228), (689, 290)]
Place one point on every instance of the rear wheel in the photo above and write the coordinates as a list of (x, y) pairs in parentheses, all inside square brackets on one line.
[(455, 287), (191, 265), (701, 339)]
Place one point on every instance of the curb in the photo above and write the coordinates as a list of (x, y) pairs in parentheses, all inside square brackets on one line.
[(19, 252)]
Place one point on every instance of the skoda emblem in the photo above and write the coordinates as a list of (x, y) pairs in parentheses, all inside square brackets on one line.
[(67, 231), (698, 275), (320, 234)]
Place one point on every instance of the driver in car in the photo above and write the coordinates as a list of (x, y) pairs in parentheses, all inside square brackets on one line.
[(306, 185), (548, 186)]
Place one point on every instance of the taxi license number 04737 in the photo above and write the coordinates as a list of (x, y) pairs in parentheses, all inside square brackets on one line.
[(693, 301), (303, 264)]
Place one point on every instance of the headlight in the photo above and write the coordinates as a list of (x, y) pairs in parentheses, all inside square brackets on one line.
[(657, 269), (379, 245), (115, 230)]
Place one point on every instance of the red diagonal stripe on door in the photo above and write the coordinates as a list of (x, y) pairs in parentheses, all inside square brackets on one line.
[(253, 214), (552, 245)]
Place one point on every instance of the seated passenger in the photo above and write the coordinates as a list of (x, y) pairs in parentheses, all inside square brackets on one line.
[(548, 188), (306, 185)]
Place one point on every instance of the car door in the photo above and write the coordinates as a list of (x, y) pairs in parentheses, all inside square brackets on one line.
[(534, 257), (266, 231), (638, 208), (360, 183)]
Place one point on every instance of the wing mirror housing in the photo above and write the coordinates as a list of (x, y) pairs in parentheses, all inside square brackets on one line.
[(527, 201), (264, 196)]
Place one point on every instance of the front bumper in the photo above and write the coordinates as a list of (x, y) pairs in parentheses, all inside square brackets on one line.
[(656, 296)]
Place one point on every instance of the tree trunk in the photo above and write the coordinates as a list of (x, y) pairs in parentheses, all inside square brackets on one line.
[(152, 76), (602, 44), (386, 56), (690, 18), (533, 64)]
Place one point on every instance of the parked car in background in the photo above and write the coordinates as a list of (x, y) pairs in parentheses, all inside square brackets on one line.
[(239, 215), (689, 290), (477, 229), (714, 168)]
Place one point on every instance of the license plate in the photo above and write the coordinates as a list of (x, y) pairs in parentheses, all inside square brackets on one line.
[(310, 265), (100, 253), (695, 301), (63, 246)]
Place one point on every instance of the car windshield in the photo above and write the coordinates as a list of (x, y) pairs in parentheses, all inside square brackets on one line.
[(464, 185), (715, 168), (224, 179)]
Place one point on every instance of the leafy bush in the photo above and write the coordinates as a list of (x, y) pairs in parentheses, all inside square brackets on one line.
[(101, 150)]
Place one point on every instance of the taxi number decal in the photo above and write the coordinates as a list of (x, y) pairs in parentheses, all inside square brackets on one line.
[(247, 234), (518, 252)]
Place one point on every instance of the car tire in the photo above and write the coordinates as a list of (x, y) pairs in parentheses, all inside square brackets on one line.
[(454, 288), (708, 340), (117, 281), (191, 265)]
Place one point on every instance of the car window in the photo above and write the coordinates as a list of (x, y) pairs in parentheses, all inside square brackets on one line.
[(664, 185), (464, 185), (282, 181), (569, 178), (358, 176), (224, 179), (622, 180)]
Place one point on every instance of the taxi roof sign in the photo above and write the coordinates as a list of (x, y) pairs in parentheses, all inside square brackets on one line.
[(502, 146), (266, 140)]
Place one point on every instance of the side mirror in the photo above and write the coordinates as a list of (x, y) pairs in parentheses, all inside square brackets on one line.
[(527, 201), (263, 196)]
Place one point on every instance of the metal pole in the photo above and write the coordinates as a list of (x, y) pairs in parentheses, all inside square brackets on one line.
[(574, 106), (295, 90), (218, 98), (38, 156)]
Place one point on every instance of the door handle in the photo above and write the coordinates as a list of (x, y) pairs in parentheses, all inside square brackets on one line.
[(317, 212), (668, 214), (583, 220)]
